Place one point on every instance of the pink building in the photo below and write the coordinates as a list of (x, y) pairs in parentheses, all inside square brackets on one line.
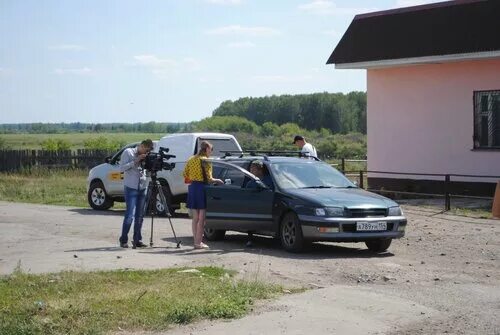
[(433, 81)]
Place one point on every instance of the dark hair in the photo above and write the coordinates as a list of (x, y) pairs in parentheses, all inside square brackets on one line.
[(257, 163), (204, 145), (298, 138), (147, 143)]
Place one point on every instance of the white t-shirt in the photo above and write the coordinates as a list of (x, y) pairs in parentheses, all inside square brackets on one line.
[(309, 150)]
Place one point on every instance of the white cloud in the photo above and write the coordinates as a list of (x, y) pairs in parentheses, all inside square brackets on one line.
[(246, 31), (153, 61), (67, 47), (164, 66), (281, 79), (225, 2), (409, 3), (84, 71), (325, 7), (240, 45)]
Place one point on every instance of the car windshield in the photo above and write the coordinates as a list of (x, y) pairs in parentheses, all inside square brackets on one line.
[(308, 174)]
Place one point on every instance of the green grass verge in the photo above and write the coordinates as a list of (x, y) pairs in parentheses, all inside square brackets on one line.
[(104, 302), (52, 187), (76, 140)]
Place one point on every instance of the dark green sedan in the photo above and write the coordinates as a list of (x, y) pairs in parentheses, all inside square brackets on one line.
[(303, 201)]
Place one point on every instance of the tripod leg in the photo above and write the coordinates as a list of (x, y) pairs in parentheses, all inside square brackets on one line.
[(164, 202), (149, 207)]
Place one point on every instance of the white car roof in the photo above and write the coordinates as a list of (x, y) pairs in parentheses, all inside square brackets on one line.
[(209, 135)]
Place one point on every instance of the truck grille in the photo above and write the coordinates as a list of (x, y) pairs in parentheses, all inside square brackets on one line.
[(366, 212)]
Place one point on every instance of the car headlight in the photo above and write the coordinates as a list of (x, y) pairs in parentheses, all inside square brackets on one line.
[(319, 212), (335, 211), (329, 211), (395, 211)]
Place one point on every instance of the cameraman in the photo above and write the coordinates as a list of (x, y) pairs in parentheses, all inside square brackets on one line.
[(135, 183)]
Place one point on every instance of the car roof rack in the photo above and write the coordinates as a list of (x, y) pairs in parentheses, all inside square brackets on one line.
[(267, 153)]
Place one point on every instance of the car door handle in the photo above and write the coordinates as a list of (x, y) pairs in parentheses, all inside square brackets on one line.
[(216, 198)]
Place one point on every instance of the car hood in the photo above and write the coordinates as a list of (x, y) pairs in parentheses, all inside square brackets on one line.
[(342, 197)]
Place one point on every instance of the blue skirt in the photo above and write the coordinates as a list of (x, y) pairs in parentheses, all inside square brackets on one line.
[(196, 198)]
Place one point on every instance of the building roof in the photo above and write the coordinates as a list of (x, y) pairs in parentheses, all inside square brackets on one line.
[(461, 29)]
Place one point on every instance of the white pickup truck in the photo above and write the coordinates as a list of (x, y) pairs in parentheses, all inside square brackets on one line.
[(105, 181)]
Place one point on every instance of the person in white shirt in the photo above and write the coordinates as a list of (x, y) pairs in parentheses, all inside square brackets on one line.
[(307, 149)]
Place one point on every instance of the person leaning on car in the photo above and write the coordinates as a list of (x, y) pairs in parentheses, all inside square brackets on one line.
[(197, 173), (135, 184), (307, 149)]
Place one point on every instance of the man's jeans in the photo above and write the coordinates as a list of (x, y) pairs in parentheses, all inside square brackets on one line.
[(134, 199)]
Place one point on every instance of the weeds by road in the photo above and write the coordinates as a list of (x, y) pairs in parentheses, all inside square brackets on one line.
[(76, 140), (100, 302), (43, 186)]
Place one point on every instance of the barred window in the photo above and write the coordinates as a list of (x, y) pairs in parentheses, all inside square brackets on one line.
[(487, 119)]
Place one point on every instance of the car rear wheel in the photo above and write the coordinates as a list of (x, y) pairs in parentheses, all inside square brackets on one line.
[(291, 233), (214, 234), (160, 208), (97, 196), (378, 245)]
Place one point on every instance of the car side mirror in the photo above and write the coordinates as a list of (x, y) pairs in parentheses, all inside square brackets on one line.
[(107, 159), (355, 183)]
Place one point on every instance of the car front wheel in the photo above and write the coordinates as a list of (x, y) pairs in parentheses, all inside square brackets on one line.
[(291, 233), (97, 196), (378, 245), (214, 234)]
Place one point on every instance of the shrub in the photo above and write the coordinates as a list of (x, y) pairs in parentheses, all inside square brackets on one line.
[(52, 144), (103, 143)]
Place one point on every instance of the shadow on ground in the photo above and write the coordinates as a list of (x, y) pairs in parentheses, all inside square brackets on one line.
[(265, 246), (117, 212), (236, 243)]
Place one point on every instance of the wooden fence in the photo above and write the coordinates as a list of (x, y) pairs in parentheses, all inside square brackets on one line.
[(15, 160)]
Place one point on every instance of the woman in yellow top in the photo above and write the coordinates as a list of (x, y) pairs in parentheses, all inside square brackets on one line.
[(199, 173)]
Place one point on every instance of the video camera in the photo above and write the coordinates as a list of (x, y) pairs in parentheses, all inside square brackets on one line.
[(156, 161)]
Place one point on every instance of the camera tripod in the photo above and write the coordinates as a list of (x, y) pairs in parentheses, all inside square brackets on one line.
[(153, 195)]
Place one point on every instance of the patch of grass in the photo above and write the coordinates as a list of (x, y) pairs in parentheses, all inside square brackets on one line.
[(76, 140), (472, 212), (43, 186), (102, 302)]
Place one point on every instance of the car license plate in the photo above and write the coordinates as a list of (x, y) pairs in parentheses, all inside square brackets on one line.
[(371, 226)]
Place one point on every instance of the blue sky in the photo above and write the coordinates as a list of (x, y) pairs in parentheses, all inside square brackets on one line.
[(166, 60)]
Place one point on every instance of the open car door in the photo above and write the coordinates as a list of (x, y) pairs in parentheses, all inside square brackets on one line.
[(232, 206)]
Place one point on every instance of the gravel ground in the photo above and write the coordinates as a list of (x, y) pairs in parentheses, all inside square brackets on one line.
[(442, 278)]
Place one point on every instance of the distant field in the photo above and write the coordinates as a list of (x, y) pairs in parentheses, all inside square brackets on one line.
[(33, 141)]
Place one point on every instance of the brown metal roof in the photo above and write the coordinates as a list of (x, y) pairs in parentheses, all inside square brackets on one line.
[(446, 28)]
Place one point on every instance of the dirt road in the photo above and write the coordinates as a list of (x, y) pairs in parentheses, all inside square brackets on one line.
[(443, 277)]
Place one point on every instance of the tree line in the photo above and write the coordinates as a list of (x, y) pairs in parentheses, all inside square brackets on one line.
[(79, 127), (334, 122), (337, 112), (271, 136)]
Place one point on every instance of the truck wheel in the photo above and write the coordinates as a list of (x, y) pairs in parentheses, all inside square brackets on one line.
[(97, 196), (378, 245)]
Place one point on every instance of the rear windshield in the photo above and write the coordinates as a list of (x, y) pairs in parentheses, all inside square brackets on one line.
[(221, 145)]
